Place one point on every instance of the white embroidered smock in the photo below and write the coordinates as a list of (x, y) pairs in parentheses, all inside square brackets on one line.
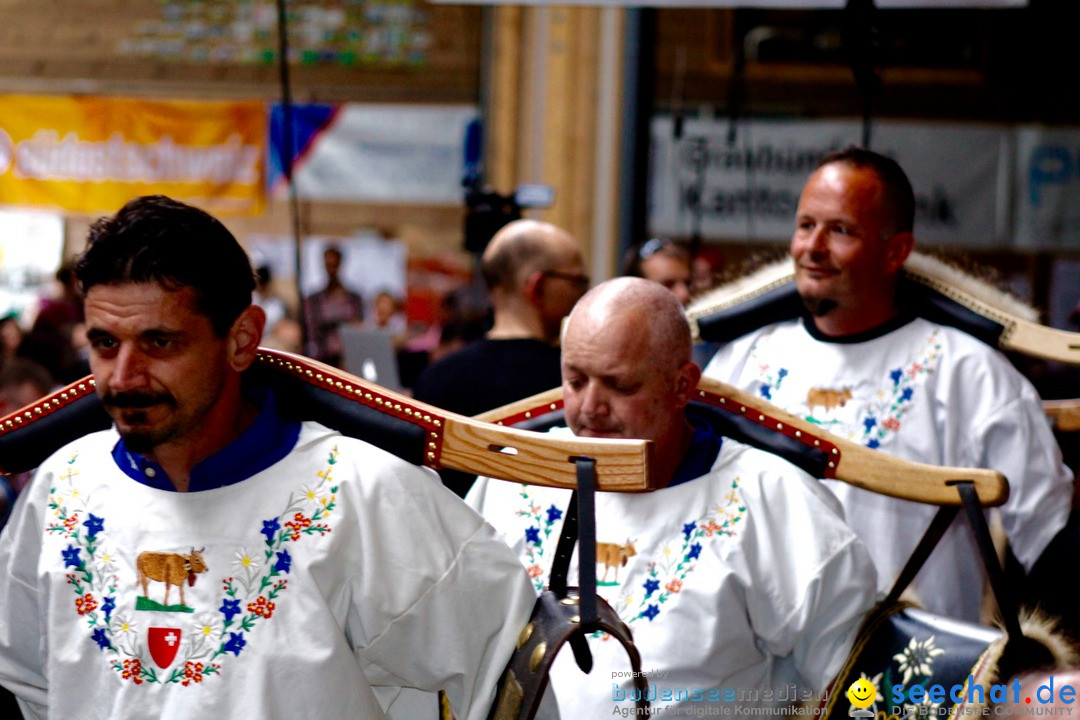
[(324, 586), (923, 392), (742, 586)]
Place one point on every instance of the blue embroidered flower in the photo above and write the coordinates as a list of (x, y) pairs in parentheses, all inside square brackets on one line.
[(695, 551), (532, 535), (766, 391), (553, 514), (230, 608), (93, 525), (651, 612), (906, 394), (651, 586), (270, 528), (101, 638), (689, 528), (782, 373), (71, 557), (284, 562), (108, 606), (869, 423), (236, 643), (873, 443), (895, 376)]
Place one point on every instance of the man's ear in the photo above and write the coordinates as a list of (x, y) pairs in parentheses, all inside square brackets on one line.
[(686, 382), (533, 287), (900, 246), (244, 337)]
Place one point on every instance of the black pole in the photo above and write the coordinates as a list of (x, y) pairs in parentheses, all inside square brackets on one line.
[(287, 157)]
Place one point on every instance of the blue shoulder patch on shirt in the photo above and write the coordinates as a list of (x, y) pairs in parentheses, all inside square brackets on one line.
[(704, 447), (269, 439)]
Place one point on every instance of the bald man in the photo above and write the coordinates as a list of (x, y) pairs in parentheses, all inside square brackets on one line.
[(534, 274), (737, 578)]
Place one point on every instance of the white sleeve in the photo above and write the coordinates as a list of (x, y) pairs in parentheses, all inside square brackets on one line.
[(812, 590), (23, 632), (1017, 441)]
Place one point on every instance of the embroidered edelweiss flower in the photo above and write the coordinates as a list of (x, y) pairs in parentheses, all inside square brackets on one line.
[(876, 682), (316, 493), (106, 558), (245, 563), (207, 628), (123, 625), (918, 658)]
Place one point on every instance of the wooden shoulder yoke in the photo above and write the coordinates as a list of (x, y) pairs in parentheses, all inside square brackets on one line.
[(309, 390), (755, 421)]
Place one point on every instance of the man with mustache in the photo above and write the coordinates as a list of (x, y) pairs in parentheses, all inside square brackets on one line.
[(331, 578), (864, 367), (737, 577)]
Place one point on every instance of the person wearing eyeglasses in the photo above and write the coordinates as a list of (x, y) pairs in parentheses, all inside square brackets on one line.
[(534, 274)]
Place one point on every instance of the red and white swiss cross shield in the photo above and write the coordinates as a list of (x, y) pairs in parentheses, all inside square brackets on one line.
[(163, 643)]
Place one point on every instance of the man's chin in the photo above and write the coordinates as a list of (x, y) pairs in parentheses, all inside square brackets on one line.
[(818, 306)]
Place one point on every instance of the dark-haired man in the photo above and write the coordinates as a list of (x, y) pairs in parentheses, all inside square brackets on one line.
[(209, 557), (863, 367)]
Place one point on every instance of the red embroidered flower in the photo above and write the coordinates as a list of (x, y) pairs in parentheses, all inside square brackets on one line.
[(891, 424), (85, 604), (132, 671), (262, 607), (674, 586), (193, 672), (298, 523), (710, 528), (535, 571), (71, 522)]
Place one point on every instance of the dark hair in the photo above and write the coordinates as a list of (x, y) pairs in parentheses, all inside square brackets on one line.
[(899, 197), (157, 239), (654, 246)]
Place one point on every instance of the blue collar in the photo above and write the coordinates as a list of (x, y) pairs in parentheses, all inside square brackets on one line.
[(699, 459), (269, 439)]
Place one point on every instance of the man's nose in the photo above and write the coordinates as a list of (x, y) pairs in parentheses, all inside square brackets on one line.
[(129, 370), (594, 400)]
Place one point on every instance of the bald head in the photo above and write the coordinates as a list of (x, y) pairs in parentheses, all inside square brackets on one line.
[(627, 371), (654, 316), (524, 247)]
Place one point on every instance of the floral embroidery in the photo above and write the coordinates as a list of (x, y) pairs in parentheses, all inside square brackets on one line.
[(255, 586), (536, 534), (665, 576), (666, 572), (770, 382), (882, 416), (914, 664)]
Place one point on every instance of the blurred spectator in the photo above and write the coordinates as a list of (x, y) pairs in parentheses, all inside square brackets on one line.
[(330, 307), (22, 382), (282, 332), (663, 261), (703, 276), (11, 337), (388, 314)]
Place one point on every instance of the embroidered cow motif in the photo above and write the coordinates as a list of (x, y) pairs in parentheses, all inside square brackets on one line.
[(612, 555), (171, 569), (826, 398)]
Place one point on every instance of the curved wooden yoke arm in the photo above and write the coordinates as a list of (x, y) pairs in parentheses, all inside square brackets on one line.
[(938, 292), (1064, 414), (416, 431), (842, 459)]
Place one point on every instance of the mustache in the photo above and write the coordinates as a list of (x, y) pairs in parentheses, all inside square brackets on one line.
[(137, 399)]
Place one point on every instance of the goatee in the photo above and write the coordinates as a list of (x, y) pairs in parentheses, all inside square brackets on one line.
[(819, 307)]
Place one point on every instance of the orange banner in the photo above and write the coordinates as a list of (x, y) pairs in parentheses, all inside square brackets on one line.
[(93, 154)]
